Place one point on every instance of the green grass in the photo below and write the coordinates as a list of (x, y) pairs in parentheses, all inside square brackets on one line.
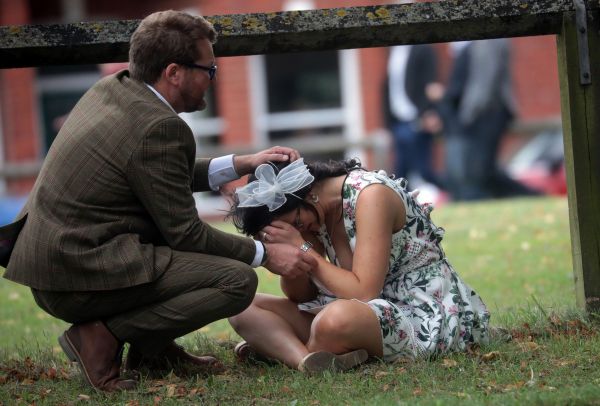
[(515, 253)]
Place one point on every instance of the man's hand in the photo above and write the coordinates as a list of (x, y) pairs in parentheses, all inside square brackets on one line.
[(431, 122), (245, 164), (288, 261)]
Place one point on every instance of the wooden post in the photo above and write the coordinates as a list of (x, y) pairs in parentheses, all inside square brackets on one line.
[(580, 106)]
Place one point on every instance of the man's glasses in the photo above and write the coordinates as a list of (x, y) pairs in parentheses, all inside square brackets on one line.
[(212, 69), (297, 222)]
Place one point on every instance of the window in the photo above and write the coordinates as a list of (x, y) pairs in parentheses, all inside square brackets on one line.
[(304, 81), (308, 100), (59, 88)]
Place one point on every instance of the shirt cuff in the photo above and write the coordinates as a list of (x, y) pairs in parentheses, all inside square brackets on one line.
[(259, 254), (221, 171)]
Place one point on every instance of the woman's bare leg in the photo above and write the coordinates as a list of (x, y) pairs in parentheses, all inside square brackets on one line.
[(274, 327), (346, 325)]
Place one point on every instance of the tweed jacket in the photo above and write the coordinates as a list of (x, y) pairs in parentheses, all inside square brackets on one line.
[(114, 197)]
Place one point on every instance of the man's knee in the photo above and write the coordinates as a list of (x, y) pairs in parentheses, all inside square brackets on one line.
[(240, 284)]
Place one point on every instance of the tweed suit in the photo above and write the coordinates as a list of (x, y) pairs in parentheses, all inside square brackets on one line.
[(112, 211)]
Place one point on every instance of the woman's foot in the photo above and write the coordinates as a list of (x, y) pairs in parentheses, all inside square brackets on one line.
[(244, 353), (327, 361)]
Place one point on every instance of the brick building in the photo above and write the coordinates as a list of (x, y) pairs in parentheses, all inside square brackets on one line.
[(330, 99)]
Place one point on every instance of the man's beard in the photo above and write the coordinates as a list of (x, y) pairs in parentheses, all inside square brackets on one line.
[(192, 107)]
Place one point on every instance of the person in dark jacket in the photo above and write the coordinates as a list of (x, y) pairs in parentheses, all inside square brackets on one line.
[(410, 113), (478, 107)]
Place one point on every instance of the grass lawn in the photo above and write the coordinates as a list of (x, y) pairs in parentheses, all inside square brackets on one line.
[(515, 253)]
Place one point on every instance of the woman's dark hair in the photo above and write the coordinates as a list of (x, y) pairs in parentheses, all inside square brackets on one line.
[(250, 220)]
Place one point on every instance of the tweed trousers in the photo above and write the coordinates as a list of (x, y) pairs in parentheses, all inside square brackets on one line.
[(195, 290)]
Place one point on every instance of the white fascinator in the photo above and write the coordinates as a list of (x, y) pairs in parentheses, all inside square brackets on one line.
[(269, 189)]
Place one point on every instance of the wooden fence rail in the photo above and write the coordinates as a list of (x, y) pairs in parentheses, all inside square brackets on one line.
[(293, 31)]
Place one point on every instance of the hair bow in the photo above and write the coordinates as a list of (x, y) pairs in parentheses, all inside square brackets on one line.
[(269, 189)]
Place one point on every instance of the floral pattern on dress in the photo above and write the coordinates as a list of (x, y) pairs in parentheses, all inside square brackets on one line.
[(424, 309)]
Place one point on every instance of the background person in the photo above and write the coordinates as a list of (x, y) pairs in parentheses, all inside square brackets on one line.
[(410, 113), (478, 107)]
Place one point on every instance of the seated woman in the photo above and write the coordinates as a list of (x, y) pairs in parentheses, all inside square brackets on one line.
[(386, 289)]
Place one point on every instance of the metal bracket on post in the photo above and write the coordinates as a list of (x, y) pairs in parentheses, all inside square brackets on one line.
[(585, 77)]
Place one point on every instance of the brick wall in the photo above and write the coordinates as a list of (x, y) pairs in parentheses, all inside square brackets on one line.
[(535, 77), (534, 67), (19, 114)]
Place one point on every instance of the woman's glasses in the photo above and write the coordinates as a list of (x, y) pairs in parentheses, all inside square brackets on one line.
[(297, 222)]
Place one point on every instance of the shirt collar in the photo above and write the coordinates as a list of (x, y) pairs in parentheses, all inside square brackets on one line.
[(160, 96)]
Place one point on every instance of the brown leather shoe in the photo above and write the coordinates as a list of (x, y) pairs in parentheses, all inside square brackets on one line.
[(172, 357), (98, 354)]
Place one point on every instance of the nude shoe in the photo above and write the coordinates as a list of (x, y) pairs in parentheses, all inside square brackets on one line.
[(327, 361), (245, 353)]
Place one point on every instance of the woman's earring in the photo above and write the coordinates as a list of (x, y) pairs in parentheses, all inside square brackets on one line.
[(314, 198)]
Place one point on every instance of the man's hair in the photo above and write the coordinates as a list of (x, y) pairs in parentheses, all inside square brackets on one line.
[(166, 37)]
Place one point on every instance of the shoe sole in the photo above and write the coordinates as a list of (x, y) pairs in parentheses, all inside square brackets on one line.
[(327, 361), (73, 356), (241, 350)]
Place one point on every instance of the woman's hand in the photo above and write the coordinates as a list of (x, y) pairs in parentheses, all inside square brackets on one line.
[(281, 232)]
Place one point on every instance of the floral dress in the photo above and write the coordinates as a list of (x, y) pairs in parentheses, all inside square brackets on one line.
[(424, 307)]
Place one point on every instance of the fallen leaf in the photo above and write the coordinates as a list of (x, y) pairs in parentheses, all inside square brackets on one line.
[(81, 396), (529, 346), (554, 319), (513, 386), (449, 363), (490, 356), (197, 391), (181, 391), (379, 374), (51, 373), (417, 392), (565, 363), (386, 387)]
